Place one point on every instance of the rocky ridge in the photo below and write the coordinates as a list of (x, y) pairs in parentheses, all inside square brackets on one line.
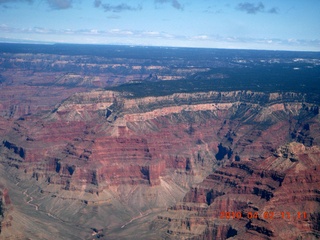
[(275, 199), (88, 126), (99, 146)]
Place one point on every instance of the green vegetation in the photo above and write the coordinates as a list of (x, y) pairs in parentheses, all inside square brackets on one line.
[(278, 78)]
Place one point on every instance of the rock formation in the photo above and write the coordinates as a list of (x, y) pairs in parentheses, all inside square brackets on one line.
[(105, 138), (229, 151), (274, 198), (105, 144)]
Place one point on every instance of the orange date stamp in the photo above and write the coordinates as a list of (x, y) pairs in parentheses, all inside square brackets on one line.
[(265, 215)]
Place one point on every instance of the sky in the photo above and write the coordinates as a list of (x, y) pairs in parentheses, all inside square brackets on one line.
[(235, 24)]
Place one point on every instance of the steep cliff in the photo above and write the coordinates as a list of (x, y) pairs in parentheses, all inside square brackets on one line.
[(103, 138), (129, 156), (275, 198)]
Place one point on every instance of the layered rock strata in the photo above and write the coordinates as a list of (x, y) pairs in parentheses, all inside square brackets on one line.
[(130, 155), (275, 198), (105, 138)]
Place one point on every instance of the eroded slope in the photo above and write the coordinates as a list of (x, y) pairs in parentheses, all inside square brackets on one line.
[(102, 160), (275, 198)]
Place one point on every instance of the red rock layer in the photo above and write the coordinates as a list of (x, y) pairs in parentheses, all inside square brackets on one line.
[(99, 139), (18, 101), (276, 198)]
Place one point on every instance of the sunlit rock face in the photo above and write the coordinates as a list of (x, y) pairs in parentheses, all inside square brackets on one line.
[(275, 198), (232, 144), (104, 138)]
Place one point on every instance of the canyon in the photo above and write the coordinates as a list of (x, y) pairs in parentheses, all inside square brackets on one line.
[(104, 150), (85, 162), (242, 200)]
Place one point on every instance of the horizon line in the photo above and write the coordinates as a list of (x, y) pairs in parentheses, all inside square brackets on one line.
[(33, 42)]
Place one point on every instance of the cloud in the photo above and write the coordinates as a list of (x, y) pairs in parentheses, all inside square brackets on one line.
[(174, 3), (5, 28), (53, 4), (201, 37), (97, 3), (273, 10), (251, 8), (212, 10), (115, 8), (60, 4), (117, 31), (9, 1), (153, 37), (6, 3)]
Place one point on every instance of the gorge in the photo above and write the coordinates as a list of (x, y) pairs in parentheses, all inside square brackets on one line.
[(120, 163)]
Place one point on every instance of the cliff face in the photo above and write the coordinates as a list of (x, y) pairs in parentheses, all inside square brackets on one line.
[(277, 198), (102, 147), (104, 138)]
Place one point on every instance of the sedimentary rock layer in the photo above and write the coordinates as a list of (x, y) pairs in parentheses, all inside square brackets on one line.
[(131, 155), (275, 198), (104, 138)]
